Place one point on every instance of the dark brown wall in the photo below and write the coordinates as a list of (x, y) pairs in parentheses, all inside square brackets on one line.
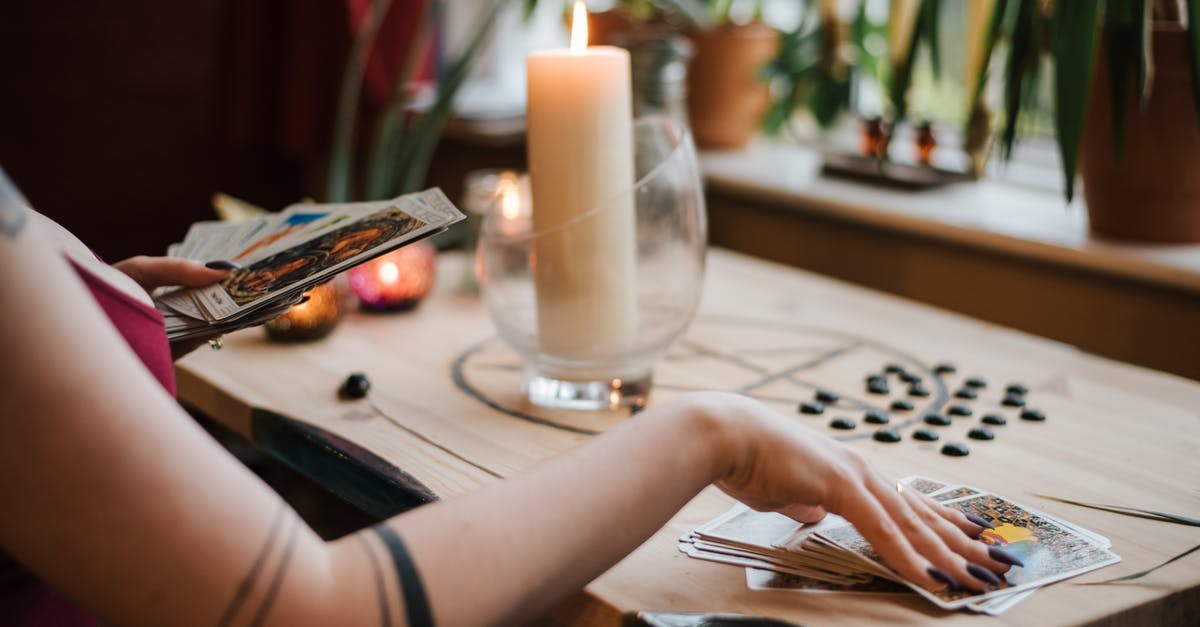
[(119, 119)]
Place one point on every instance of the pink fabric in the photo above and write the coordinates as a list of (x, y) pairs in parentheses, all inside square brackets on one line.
[(140, 324), (24, 600)]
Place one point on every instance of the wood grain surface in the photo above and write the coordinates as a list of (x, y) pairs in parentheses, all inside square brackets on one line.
[(445, 408)]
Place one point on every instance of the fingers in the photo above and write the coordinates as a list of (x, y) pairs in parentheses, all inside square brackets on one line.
[(959, 540), (153, 272), (913, 538)]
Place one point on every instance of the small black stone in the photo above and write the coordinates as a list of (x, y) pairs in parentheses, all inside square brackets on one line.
[(1034, 415), (845, 424), (926, 435), (976, 382), (1016, 388), (812, 407), (936, 419), (955, 449), (901, 405), (967, 393), (918, 390), (894, 368), (826, 396), (876, 417), (877, 386), (1013, 400), (995, 420), (871, 378), (981, 433), (887, 435), (355, 386), (909, 377), (958, 410), (945, 368)]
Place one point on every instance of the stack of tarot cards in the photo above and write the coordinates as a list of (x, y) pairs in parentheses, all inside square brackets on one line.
[(284, 254), (831, 556)]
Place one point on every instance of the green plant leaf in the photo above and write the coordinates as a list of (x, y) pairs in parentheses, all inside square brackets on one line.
[(341, 153), (384, 167), (1122, 42), (901, 76), (1145, 53), (1074, 55), (931, 16), (428, 127), (1023, 52), (995, 24), (1193, 11)]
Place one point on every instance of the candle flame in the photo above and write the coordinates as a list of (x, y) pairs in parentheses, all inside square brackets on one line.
[(579, 27), (388, 272), (510, 199)]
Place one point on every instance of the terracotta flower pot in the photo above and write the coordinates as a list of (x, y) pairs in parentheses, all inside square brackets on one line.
[(1153, 193), (726, 98)]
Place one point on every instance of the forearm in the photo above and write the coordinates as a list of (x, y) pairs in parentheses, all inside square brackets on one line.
[(522, 544)]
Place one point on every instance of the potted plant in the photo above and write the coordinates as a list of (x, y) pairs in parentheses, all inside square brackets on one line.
[(1127, 105), (726, 96)]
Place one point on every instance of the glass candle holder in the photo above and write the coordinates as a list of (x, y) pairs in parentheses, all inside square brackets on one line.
[(504, 192), (397, 281), (310, 320), (588, 324)]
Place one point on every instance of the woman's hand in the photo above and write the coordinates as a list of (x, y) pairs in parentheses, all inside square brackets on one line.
[(774, 465), (154, 272)]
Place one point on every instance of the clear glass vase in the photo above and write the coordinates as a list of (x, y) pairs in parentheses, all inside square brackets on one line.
[(590, 303)]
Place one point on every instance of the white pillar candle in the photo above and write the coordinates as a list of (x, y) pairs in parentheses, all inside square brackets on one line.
[(580, 125)]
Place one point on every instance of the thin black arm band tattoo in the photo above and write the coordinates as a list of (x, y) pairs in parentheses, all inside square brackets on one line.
[(277, 580), (243, 589), (385, 613), (416, 604)]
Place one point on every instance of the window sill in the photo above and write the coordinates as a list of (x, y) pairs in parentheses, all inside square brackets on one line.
[(990, 215)]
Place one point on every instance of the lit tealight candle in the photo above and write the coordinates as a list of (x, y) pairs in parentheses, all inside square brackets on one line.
[(511, 205), (310, 320), (580, 125), (396, 281)]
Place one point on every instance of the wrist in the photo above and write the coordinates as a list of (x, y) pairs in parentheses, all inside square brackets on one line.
[(711, 420)]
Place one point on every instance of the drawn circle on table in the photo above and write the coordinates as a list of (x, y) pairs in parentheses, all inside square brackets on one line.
[(775, 362)]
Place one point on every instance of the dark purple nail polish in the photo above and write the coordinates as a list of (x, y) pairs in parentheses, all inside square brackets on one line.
[(979, 521), (942, 576), (223, 265), (982, 573), (1004, 557)]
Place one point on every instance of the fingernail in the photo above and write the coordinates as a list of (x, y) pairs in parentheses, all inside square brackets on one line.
[(942, 576), (979, 521), (982, 573), (223, 265), (1004, 557)]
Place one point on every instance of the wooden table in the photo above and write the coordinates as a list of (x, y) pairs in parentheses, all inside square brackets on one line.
[(445, 416)]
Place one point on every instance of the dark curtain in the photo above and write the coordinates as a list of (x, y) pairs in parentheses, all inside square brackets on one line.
[(120, 119)]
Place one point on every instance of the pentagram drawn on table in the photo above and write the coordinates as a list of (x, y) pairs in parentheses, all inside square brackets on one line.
[(852, 386)]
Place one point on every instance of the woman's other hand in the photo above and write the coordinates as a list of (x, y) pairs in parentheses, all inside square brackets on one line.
[(155, 272)]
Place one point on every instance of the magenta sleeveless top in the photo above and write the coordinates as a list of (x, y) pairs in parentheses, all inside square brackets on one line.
[(24, 600)]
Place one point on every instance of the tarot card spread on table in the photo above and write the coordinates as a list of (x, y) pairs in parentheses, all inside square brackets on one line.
[(831, 556)]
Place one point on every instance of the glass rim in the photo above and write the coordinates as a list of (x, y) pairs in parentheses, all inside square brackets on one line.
[(682, 140)]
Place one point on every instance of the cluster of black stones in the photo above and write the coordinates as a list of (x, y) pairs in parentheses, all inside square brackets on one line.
[(881, 383)]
